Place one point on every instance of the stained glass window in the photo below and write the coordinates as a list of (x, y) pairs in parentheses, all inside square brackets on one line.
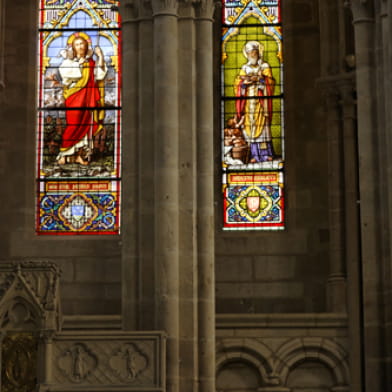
[(252, 115), (79, 117)]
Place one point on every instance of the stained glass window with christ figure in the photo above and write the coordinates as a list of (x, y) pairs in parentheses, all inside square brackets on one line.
[(252, 115), (79, 117)]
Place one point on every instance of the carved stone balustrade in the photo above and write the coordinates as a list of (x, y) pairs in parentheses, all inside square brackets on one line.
[(105, 361)]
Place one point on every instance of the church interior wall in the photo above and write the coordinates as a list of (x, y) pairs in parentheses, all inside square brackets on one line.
[(271, 287), (91, 280), (268, 271), (286, 271)]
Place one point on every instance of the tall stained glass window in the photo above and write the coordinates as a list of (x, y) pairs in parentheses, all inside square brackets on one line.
[(252, 115), (79, 117)]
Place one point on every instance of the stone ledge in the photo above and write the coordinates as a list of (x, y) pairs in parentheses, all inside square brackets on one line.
[(106, 388), (92, 322), (223, 321), (288, 320)]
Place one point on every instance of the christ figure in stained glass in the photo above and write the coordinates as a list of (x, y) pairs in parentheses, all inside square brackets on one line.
[(83, 81), (254, 86)]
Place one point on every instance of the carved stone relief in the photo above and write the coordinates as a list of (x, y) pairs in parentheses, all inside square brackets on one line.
[(77, 363), (128, 362), (93, 360), (29, 296), (18, 315)]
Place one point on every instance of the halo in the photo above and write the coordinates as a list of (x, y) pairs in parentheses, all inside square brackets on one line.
[(259, 45), (73, 36)]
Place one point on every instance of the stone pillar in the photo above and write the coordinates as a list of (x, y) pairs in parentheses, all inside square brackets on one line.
[(47, 345), (2, 43), (205, 195), (386, 18), (352, 233), (146, 141), (369, 185), (2, 336), (187, 197), (130, 197), (332, 46), (166, 181), (336, 280)]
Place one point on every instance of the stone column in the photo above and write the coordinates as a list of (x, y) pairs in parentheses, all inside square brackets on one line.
[(385, 94), (352, 233), (336, 280), (2, 336), (205, 195), (187, 198), (369, 185), (130, 197), (2, 43), (166, 180), (331, 37), (47, 352), (386, 18), (146, 142)]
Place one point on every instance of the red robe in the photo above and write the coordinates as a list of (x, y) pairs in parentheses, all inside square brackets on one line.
[(80, 120)]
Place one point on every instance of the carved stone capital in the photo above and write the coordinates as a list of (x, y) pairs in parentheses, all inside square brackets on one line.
[(205, 8), (134, 10), (363, 10), (47, 336), (129, 10), (164, 7), (186, 9), (145, 9)]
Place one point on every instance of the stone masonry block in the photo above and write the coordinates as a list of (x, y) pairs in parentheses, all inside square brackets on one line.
[(255, 290), (269, 268), (234, 269)]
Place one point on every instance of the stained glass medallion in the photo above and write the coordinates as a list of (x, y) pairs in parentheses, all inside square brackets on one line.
[(79, 117), (252, 115), (254, 199)]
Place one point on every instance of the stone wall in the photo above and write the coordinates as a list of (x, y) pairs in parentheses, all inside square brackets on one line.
[(282, 353), (91, 266), (287, 271)]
